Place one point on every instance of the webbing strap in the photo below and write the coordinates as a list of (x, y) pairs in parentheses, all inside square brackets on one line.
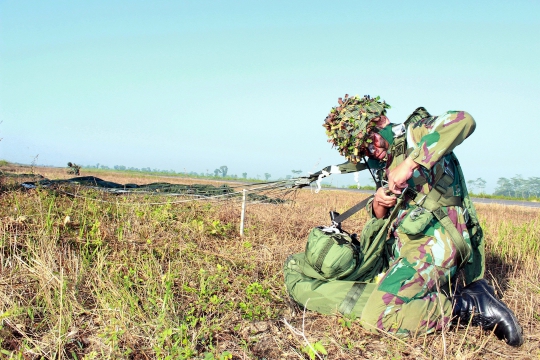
[(434, 201), (351, 298), (318, 264), (461, 245), (352, 210)]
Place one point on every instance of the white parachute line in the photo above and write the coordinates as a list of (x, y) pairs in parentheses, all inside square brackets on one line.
[(314, 166), (356, 179), (197, 197)]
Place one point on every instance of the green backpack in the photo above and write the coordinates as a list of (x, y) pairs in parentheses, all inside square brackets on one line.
[(331, 253), (335, 269)]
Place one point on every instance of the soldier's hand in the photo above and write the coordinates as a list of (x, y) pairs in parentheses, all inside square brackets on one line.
[(397, 179), (382, 201), (384, 198)]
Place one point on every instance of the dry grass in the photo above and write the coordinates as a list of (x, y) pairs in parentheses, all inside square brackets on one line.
[(123, 279)]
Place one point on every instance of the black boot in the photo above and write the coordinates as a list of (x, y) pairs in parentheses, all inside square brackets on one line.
[(478, 300)]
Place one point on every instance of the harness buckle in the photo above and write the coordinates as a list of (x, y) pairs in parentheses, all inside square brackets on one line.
[(416, 212)]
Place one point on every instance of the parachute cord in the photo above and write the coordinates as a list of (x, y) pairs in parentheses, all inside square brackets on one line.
[(232, 196), (369, 169)]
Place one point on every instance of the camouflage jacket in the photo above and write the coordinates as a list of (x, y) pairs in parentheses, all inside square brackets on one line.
[(430, 141)]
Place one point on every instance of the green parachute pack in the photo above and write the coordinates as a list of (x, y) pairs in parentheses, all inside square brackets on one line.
[(333, 272)]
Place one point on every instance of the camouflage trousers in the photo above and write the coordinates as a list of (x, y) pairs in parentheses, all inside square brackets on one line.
[(408, 299)]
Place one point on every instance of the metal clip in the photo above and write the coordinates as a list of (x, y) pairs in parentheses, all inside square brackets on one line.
[(421, 201), (415, 213)]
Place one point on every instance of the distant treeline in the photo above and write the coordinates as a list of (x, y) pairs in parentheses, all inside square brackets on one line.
[(518, 187), (222, 171)]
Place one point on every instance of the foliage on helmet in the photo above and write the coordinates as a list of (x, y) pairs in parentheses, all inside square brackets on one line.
[(348, 124)]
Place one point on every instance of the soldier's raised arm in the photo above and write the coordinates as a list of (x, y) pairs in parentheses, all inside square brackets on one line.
[(438, 137)]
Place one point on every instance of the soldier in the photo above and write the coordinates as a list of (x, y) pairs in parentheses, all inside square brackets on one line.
[(434, 230), (74, 169)]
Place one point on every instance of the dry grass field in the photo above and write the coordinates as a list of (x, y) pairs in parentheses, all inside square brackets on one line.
[(103, 276)]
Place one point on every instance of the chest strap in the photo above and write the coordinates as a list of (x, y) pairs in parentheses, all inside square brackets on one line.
[(433, 202)]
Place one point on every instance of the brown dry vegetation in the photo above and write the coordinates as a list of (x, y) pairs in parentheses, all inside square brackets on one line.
[(85, 278)]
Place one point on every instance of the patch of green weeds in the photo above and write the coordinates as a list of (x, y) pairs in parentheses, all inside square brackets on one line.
[(223, 356), (257, 304), (174, 344), (217, 228), (162, 214), (347, 320), (314, 349), (214, 227)]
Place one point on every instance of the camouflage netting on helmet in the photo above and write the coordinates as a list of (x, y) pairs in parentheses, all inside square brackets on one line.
[(348, 124)]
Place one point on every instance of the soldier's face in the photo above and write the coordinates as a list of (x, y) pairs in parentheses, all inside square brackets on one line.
[(378, 148)]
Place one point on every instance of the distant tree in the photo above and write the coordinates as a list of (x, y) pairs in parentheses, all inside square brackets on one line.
[(471, 185), (504, 187), (244, 175), (224, 170), (534, 185), (520, 185), (267, 176), (296, 172), (216, 172), (104, 167), (481, 185)]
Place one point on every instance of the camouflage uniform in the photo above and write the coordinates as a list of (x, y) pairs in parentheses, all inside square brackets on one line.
[(73, 169), (421, 255), (408, 298)]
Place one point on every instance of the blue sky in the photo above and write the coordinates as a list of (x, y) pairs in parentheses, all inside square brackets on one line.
[(198, 84)]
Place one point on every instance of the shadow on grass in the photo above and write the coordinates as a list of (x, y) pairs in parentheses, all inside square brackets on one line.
[(499, 272)]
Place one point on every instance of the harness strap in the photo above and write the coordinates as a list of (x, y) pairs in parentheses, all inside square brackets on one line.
[(457, 237), (441, 195), (353, 210), (351, 298), (433, 202), (322, 255)]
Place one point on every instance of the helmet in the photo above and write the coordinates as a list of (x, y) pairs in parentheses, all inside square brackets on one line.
[(348, 124)]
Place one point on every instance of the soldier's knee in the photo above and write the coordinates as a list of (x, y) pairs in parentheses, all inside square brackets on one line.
[(377, 312), (369, 321)]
